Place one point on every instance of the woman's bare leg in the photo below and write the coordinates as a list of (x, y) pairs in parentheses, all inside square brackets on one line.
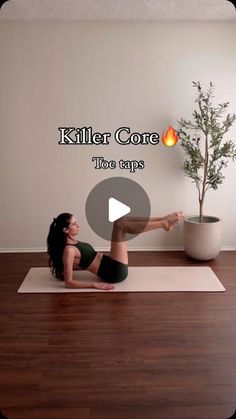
[(119, 250), (173, 214), (136, 225)]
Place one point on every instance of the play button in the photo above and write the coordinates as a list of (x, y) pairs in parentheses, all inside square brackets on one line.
[(116, 209), (112, 199)]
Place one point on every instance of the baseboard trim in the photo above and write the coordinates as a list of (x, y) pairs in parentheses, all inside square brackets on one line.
[(107, 249)]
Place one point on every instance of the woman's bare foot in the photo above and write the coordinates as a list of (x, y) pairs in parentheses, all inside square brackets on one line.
[(172, 219), (175, 214)]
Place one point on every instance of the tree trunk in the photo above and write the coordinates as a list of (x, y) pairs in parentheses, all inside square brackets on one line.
[(206, 160), (201, 210)]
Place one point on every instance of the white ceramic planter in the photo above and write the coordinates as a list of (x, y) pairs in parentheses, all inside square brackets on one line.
[(202, 241)]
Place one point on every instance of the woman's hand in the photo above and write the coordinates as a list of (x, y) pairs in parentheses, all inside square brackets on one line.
[(103, 286)]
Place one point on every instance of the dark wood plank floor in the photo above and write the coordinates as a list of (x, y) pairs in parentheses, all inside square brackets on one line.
[(118, 355)]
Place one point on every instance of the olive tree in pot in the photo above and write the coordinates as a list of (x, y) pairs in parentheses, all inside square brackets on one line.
[(207, 156)]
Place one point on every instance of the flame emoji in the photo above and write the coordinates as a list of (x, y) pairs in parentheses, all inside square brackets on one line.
[(170, 138)]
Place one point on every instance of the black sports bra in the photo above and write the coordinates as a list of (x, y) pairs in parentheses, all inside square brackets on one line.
[(87, 253)]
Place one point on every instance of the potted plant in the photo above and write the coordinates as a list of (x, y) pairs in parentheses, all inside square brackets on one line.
[(206, 157)]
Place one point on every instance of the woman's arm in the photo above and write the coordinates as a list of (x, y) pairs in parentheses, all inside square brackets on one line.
[(68, 260)]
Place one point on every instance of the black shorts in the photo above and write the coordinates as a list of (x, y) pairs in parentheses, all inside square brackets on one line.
[(112, 271)]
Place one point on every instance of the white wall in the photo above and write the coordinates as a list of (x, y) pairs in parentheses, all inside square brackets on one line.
[(104, 75)]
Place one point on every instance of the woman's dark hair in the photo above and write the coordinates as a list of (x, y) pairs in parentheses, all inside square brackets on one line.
[(56, 241)]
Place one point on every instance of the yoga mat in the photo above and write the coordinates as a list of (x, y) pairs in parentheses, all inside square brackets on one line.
[(140, 279)]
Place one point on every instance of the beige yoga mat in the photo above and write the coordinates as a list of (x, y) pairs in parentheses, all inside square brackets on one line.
[(140, 279)]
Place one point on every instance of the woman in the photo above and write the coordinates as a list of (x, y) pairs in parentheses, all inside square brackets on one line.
[(67, 254)]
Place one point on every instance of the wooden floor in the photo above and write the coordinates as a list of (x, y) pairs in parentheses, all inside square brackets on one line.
[(118, 355)]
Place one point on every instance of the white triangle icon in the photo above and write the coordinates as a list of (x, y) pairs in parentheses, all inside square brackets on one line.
[(116, 209)]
